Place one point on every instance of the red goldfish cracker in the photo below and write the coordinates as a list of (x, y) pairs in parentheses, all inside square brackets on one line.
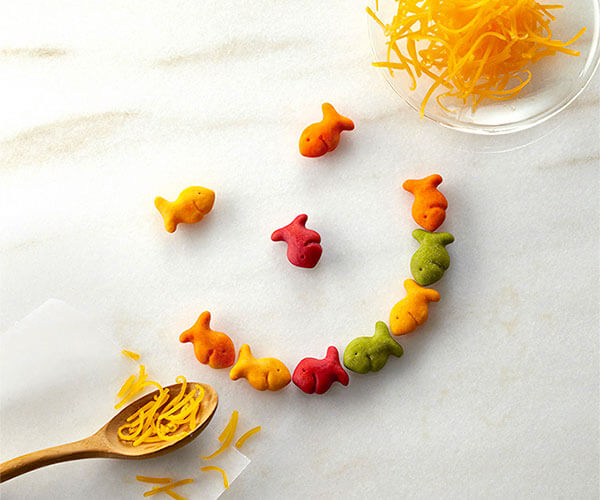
[(413, 309), (324, 136), (213, 348), (262, 374), (429, 207)]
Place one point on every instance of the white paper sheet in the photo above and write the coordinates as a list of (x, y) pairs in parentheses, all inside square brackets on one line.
[(60, 372)]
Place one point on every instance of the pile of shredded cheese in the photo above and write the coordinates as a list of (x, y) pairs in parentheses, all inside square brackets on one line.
[(475, 49), (164, 418)]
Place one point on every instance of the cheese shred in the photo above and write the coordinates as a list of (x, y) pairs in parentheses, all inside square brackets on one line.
[(130, 354), (133, 387), (218, 469), (168, 487), (154, 480), (164, 418), (245, 436), (227, 435), (471, 50)]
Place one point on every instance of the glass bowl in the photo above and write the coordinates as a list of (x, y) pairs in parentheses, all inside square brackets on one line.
[(557, 80)]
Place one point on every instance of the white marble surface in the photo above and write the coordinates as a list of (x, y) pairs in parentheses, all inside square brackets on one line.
[(107, 104)]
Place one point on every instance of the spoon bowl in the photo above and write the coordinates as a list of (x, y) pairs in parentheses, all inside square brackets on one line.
[(106, 442)]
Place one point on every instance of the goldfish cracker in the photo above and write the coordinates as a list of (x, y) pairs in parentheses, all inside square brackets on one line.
[(304, 249), (316, 375), (212, 348), (429, 207), (324, 136), (262, 374), (370, 354), (413, 309), (431, 259), (192, 204)]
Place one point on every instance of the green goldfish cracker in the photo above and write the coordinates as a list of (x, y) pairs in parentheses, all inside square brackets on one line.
[(431, 259), (370, 354)]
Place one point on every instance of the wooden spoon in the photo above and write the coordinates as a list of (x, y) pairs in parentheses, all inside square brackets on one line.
[(106, 443)]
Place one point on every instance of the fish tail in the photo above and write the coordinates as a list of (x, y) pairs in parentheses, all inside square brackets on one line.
[(164, 207), (203, 321), (442, 238), (185, 337), (420, 235), (245, 355), (431, 295), (433, 180), (329, 113), (332, 353), (410, 185), (383, 334)]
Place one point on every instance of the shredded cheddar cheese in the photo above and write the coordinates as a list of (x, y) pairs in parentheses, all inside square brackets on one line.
[(218, 469), (130, 354), (154, 480), (132, 387), (473, 49), (226, 436), (164, 418), (168, 487), (246, 435)]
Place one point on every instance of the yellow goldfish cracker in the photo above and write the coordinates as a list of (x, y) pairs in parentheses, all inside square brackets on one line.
[(246, 435), (262, 374), (169, 486), (192, 204), (226, 436), (218, 469), (130, 354)]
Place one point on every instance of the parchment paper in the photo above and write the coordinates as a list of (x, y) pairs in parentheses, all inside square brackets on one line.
[(60, 371)]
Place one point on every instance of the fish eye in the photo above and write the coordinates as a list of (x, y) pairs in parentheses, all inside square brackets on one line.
[(420, 269), (356, 354), (307, 139), (424, 217), (278, 369)]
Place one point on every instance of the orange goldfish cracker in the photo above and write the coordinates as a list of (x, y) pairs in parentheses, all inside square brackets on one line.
[(212, 348), (169, 486), (226, 436), (247, 435), (154, 480), (474, 50), (324, 136), (429, 207), (218, 469), (130, 354), (413, 309), (262, 374), (192, 204)]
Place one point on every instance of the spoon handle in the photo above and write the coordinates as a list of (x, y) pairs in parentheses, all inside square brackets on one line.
[(86, 448)]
